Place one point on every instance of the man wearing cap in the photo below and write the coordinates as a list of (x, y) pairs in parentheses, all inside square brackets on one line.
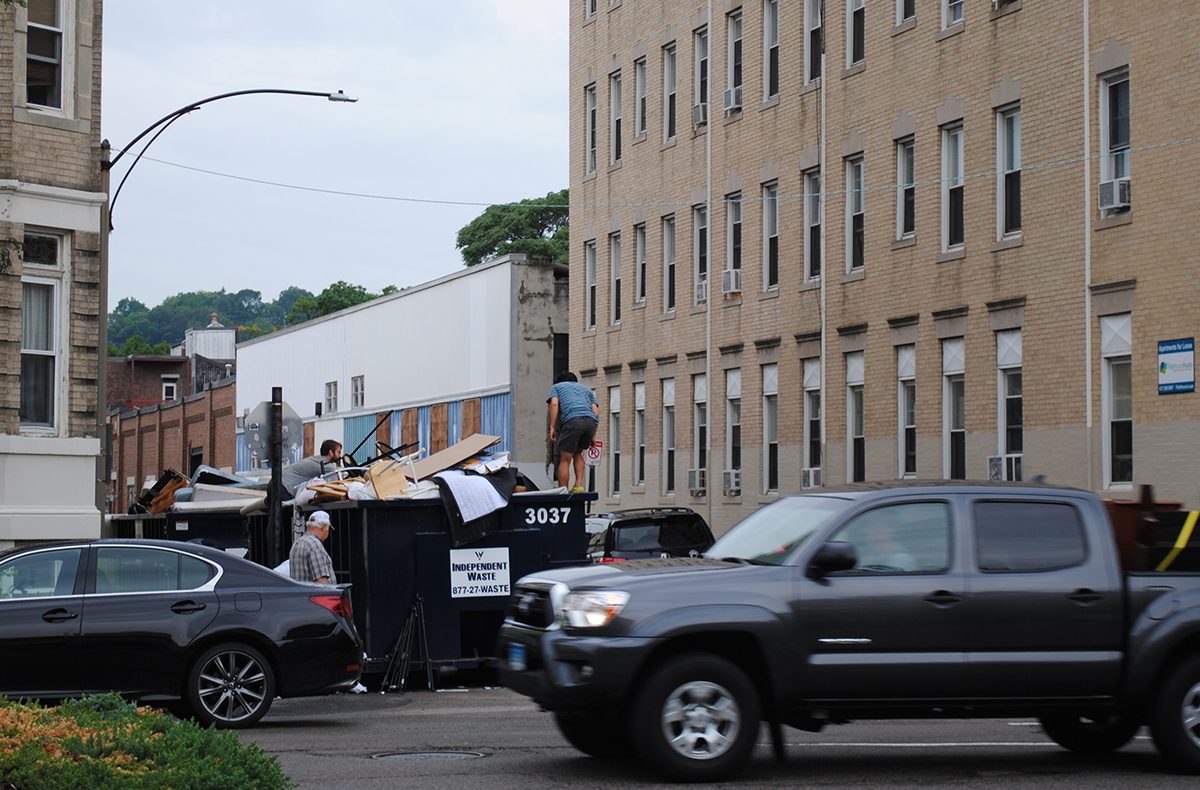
[(308, 560)]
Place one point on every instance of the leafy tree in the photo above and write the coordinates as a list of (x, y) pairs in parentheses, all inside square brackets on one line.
[(136, 346), (534, 226), (336, 297)]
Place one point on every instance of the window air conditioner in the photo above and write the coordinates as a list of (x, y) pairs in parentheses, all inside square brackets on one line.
[(810, 478), (1114, 194), (733, 99), (998, 4), (702, 291), (697, 481), (732, 482), (731, 281), (700, 114)]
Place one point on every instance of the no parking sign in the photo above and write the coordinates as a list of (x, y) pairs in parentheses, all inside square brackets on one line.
[(593, 454)]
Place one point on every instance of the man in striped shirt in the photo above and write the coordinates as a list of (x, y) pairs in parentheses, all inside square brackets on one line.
[(308, 560)]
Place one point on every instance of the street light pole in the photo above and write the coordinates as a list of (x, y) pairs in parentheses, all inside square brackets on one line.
[(106, 165)]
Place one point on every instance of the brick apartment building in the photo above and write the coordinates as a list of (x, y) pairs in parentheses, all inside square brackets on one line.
[(50, 210), (950, 243)]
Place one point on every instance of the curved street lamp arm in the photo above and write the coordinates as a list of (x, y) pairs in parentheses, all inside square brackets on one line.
[(112, 204)]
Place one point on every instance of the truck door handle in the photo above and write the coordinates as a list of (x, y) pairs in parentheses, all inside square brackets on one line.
[(942, 598), (187, 607), (59, 615), (1085, 596)]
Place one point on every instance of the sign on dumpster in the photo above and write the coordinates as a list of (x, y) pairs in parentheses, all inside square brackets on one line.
[(593, 454), (479, 573)]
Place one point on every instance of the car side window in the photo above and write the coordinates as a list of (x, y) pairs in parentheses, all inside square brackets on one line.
[(636, 537), (910, 537), (1028, 537), (126, 569), (40, 575)]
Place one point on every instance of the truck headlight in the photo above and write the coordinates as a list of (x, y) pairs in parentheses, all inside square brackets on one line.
[(593, 609)]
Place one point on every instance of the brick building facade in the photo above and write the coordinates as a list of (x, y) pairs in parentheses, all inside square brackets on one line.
[(138, 381), (951, 243), (50, 272), (180, 435)]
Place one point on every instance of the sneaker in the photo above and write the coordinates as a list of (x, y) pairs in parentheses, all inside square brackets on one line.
[(578, 490)]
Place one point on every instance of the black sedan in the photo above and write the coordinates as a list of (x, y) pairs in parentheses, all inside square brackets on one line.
[(167, 622)]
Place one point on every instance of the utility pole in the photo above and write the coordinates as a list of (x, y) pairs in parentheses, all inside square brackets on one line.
[(275, 489)]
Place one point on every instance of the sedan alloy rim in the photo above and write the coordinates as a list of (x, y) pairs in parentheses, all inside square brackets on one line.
[(232, 686), (701, 720), (1190, 714)]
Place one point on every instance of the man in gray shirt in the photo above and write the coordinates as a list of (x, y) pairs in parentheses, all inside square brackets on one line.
[(296, 475)]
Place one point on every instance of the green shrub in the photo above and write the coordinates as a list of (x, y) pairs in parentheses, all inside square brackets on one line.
[(106, 742)]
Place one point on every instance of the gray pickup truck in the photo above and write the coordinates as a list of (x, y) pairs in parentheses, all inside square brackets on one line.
[(929, 600)]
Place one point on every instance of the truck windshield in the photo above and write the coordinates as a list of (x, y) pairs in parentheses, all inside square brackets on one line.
[(771, 534)]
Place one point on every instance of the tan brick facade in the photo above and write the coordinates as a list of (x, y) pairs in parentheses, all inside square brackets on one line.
[(1068, 265)]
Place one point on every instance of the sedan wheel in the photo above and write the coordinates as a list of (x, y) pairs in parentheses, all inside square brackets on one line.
[(231, 686)]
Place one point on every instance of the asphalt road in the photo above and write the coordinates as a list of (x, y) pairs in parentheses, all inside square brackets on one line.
[(343, 742)]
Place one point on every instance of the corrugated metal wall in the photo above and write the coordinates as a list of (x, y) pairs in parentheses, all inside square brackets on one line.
[(495, 419), (454, 423), (354, 430), (423, 429), (243, 453)]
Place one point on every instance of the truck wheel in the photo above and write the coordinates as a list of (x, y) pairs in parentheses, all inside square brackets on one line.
[(1098, 734), (596, 733), (696, 718), (1175, 721)]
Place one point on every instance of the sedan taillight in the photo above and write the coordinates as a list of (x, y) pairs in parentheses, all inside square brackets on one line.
[(612, 559), (338, 604)]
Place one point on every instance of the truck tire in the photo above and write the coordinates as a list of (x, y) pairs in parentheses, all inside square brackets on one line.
[(1175, 721), (595, 733), (696, 718), (1098, 734)]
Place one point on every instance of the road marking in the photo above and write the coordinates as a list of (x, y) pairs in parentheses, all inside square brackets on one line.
[(932, 745)]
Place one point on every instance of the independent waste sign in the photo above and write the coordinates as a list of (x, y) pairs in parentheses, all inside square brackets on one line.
[(479, 573)]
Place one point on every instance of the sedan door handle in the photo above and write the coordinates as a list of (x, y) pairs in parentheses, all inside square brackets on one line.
[(1085, 596), (187, 607), (942, 598), (59, 615)]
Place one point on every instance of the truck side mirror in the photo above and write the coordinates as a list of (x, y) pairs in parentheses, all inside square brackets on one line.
[(833, 556)]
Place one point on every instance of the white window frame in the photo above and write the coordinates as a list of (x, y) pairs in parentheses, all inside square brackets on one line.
[(901, 11), (589, 129), (1008, 162), (1008, 363), (170, 387), (1114, 162), (589, 8), (668, 436), (770, 47), (639, 434), (733, 231), (733, 418), (813, 56), (953, 372), (906, 394), (670, 100), (856, 411), (670, 274), (953, 13), (700, 420), (67, 14), (906, 182), (812, 413), (639, 97), (358, 392), (952, 179), (331, 397), (614, 285), (614, 116), (855, 207), (770, 231), (700, 75), (734, 50), (856, 14), (589, 288), (614, 440), (770, 426), (700, 267), (1116, 351), (813, 209), (639, 262), (58, 340)]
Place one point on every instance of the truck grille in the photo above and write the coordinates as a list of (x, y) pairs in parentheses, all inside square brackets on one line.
[(531, 606)]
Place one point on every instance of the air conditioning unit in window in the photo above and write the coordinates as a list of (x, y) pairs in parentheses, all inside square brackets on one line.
[(733, 99), (702, 292), (810, 478), (731, 281), (732, 482), (697, 481), (700, 114), (1114, 194)]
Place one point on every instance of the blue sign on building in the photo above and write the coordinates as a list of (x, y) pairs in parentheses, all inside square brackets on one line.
[(1176, 366)]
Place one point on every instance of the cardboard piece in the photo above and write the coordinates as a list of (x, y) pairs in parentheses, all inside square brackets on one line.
[(391, 479)]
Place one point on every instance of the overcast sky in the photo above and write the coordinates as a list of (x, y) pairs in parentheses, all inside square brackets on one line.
[(461, 100)]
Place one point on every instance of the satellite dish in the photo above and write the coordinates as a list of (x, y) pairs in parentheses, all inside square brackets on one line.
[(258, 435)]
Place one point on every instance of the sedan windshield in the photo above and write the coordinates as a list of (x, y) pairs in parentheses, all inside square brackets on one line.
[(771, 534)]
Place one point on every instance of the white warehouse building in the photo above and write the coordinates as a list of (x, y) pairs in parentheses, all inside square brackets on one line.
[(475, 351)]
